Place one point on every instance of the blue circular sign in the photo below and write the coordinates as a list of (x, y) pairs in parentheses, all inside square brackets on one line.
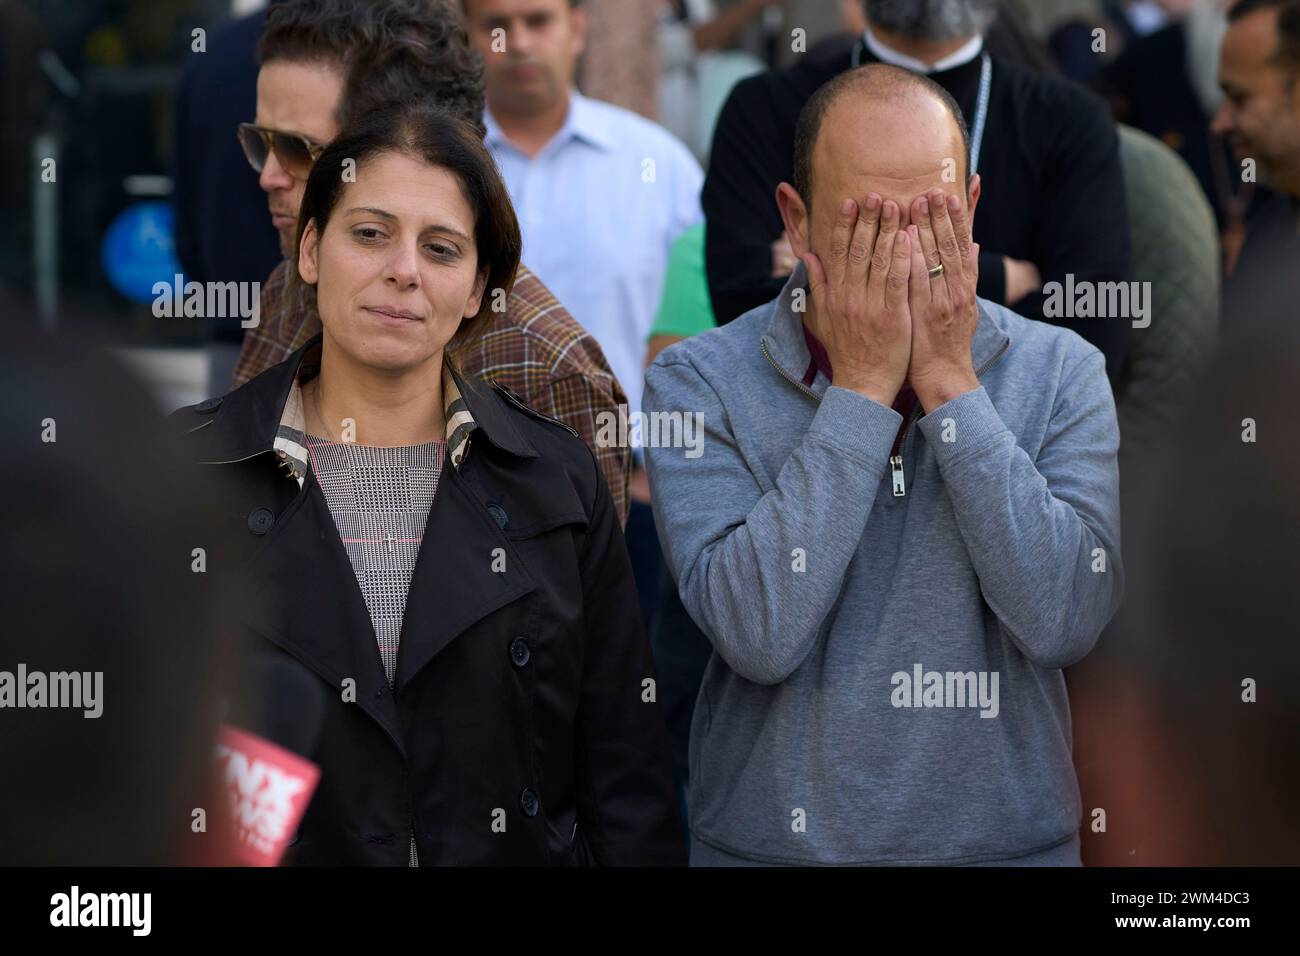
[(139, 249)]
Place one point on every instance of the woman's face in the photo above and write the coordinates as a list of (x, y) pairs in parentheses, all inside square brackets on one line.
[(396, 269)]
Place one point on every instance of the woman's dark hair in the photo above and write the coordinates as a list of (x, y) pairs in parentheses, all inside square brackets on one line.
[(439, 139)]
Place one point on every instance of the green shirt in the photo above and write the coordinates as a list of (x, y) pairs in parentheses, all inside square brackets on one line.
[(684, 306)]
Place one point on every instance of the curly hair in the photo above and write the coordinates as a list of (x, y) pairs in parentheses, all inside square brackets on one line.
[(394, 51)]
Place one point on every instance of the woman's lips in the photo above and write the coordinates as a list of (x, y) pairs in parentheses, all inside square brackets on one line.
[(395, 315)]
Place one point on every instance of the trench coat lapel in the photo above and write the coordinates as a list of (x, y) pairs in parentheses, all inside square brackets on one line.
[(308, 603), (453, 586)]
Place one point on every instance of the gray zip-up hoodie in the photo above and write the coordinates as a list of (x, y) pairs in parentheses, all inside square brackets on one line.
[(886, 680)]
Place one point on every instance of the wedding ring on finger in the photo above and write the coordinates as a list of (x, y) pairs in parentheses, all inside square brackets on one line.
[(936, 271)]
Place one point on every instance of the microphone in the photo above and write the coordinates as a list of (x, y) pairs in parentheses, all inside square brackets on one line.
[(262, 757)]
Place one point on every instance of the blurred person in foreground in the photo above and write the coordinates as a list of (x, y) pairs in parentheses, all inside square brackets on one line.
[(1259, 71), (903, 524), (1045, 148), (325, 63), (416, 537), (107, 595), (1199, 704)]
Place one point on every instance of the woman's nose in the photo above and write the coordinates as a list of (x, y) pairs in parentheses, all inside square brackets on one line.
[(403, 265)]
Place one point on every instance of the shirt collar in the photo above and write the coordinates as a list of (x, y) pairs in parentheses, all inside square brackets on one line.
[(891, 56), (585, 121), (290, 434), (820, 361), (494, 135)]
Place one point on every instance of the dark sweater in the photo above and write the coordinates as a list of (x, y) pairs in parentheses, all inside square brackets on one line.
[(1052, 186), (1262, 295)]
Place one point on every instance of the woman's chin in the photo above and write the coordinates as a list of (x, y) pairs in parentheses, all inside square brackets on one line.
[(380, 352)]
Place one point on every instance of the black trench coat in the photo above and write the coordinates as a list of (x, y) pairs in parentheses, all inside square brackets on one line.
[(520, 695)]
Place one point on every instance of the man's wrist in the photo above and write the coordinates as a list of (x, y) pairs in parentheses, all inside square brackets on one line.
[(880, 394), (940, 390)]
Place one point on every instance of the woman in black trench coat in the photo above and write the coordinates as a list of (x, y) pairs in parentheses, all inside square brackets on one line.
[(446, 562)]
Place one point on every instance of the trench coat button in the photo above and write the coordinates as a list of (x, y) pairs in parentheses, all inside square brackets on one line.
[(260, 521), (499, 514), (528, 802), (209, 405), (519, 652)]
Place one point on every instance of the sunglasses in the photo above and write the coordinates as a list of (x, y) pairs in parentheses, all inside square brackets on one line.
[(293, 152)]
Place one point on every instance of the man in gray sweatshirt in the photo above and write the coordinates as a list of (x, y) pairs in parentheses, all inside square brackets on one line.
[(901, 523)]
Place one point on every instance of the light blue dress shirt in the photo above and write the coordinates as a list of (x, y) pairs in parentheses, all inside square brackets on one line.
[(599, 208)]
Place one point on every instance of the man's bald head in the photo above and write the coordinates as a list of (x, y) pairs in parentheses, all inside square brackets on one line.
[(884, 121), (874, 130)]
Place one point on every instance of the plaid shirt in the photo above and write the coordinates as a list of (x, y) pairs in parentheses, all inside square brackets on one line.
[(534, 348)]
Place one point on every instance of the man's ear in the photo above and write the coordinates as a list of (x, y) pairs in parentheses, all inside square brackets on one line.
[(475, 300), (578, 18), (795, 216), (307, 251), (972, 199)]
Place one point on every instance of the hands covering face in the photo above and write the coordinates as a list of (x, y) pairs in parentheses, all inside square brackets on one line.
[(893, 304)]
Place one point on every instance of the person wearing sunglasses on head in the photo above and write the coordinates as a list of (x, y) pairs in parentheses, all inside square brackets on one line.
[(327, 63), (447, 562)]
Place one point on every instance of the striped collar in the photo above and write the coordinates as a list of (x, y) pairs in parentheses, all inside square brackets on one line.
[(265, 416), (290, 436)]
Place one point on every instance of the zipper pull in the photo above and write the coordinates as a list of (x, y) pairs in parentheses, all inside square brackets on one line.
[(896, 463)]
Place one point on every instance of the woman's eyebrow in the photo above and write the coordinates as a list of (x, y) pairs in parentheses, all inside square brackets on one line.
[(449, 230), (435, 227), (374, 212)]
